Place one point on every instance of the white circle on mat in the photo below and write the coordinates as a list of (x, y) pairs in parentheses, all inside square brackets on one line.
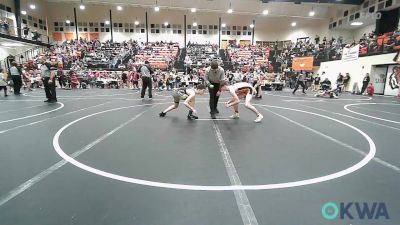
[(301, 96), (346, 107), (30, 116), (368, 157)]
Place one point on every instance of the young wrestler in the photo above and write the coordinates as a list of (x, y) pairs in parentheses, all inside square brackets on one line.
[(240, 90), (188, 95)]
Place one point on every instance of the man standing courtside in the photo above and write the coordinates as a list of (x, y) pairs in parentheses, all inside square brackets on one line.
[(16, 72), (146, 71), (214, 76), (300, 82), (48, 81)]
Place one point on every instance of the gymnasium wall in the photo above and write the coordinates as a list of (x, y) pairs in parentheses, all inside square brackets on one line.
[(267, 28), (357, 68), (364, 30)]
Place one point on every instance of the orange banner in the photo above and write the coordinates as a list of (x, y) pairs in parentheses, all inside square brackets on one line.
[(84, 36), (69, 36), (302, 63), (94, 36), (57, 36)]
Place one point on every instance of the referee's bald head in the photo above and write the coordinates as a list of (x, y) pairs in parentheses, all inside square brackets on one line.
[(214, 65)]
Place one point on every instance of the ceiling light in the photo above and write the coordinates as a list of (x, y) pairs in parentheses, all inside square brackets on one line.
[(311, 13), (68, 21), (194, 24), (23, 12), (223, 25), (32, 6), (251, 25), (193, 10), (294, 24), (107, 22), (356, 23), (136, 22), (156, 8), (82, 7), (230, 10), (166, 23), (265, 12), (119, 8)]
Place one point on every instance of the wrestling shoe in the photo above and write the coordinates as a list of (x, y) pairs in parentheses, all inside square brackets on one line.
[(162, 114), (259, 118), (192, 117), (235, 116)]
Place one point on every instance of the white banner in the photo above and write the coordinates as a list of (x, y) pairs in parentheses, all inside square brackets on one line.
[(391, 86), (351, 53)]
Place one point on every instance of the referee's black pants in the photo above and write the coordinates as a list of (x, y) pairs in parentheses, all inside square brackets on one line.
[(17, 80), (213, 98), (299, 83), (50, 89), (146, 83)]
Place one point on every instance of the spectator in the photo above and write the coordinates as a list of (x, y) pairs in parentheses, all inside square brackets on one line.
[(25, 31), (339, 82), (170, 82), (3, 82), (317, 39), (61, 78), (35, 36), (370, 89), (317, 79), (365, 83), (309, 80), (398, 82), (346, 81)]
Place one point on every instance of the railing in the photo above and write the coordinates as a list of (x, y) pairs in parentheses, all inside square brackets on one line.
[(23, 57), (27, 34)]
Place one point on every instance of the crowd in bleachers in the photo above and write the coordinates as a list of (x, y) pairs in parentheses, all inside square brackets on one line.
[(200, 55), (332, 49), (245, 57), (82, 64), (111, 55)]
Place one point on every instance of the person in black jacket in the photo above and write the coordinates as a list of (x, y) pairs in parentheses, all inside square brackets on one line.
[(346, 81), (365, 83)]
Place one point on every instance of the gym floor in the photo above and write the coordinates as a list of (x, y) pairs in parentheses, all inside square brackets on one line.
[(106, 157)]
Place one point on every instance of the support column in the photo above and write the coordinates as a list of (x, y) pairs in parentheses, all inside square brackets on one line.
[(184, 29), (17, 4), (111, 27), (147, 30), (76, 25), (219, 33), (252, 33)]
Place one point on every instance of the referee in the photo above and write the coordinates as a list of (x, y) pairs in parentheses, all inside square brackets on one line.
[(214, 76), (48, 81), (300, 82), (146, 71)]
